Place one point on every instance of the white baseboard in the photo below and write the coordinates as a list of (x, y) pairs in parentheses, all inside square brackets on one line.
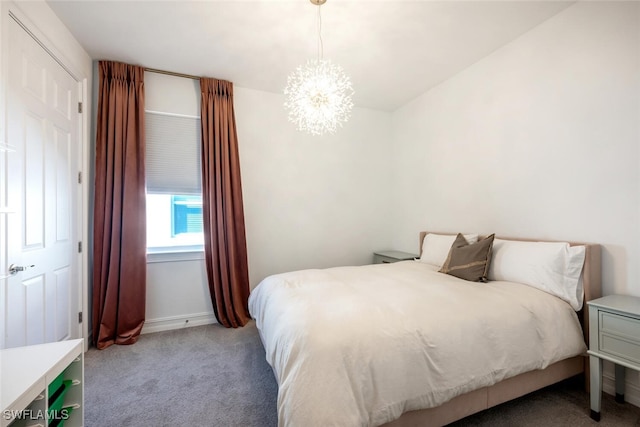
[(631, 391), (178, 322)]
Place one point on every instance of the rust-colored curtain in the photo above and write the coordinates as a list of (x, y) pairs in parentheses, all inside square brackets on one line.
[(119, 230), (225, 247)]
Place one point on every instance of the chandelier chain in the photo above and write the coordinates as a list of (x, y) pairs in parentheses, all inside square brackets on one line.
[(320, 45)]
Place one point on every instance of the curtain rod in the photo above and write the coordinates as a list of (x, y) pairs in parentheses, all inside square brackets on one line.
[(171, 73)]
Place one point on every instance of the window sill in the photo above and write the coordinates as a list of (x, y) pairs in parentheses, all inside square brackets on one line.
[(155, 255)]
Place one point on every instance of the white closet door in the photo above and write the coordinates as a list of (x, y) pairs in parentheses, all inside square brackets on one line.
[(41, 303)]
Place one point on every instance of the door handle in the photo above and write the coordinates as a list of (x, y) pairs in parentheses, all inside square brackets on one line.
[(15, 269)]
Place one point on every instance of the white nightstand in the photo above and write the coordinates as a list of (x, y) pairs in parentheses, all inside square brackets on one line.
[(614, 335), (386, 257)]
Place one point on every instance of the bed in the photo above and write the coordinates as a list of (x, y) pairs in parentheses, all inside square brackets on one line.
[(405, 345)]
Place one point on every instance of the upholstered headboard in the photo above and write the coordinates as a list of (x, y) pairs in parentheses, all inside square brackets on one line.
[(591, 274)]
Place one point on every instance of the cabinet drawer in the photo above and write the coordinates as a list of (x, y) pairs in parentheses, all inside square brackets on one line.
[(620, 347), (622, 326)]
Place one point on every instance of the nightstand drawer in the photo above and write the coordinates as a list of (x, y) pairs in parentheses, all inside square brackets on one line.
[(623, 326), (619, 336), (620, 347)]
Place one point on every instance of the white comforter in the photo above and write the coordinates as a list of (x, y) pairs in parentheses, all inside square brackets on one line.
[(358, 346)]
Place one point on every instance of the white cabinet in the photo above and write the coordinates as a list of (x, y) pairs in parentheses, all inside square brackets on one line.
[(42, 385), (614, 335)]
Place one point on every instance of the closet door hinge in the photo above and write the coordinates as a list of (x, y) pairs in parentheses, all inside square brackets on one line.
[(79, 107), (79, 247), (80, 317), (79, 177)]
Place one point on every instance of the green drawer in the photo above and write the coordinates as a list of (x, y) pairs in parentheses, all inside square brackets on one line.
[(56, 401), (56, 384)]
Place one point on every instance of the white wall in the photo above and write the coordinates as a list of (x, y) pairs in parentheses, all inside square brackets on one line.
[(312, 201), (539, 139), (309, 201)]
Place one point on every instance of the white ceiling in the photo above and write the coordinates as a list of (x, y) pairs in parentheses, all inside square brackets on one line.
[(393, 50)]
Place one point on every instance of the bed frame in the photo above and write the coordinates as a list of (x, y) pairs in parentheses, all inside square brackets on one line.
[(511, 388)]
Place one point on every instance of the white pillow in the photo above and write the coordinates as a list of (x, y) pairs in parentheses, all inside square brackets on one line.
[(435, 247), (549, 266)]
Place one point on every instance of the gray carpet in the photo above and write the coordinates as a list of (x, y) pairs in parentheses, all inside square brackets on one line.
[(213, 376), (199, 376)]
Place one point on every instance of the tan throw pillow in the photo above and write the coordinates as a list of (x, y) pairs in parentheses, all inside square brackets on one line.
[(469, 262)]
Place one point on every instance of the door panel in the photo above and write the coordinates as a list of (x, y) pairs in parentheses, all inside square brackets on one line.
[(33, 301), (61, 288), (33, 143), (41, 303), (63, 152)]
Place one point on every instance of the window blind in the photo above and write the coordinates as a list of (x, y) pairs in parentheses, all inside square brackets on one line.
[(173, 154)]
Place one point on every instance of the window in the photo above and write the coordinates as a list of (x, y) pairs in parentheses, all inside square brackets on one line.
[(174, 222), (174, 195)]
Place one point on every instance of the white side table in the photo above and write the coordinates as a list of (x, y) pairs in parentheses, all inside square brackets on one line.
[(614, 335), (386, 257)]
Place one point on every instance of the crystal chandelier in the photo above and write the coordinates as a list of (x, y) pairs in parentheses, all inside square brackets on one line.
[(318, 93)]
